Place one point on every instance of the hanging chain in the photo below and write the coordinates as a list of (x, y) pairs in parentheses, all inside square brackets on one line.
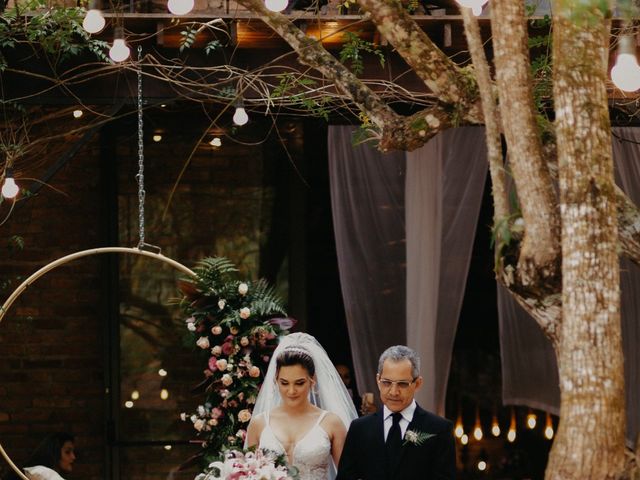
[(140, 175)]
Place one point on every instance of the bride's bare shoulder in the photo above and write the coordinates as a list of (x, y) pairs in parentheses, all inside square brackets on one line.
[(332, 423)]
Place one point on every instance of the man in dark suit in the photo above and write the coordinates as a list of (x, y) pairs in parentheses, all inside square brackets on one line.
[(401, 441)]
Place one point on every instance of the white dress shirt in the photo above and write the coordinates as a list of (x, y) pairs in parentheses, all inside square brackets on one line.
[(407, 416)]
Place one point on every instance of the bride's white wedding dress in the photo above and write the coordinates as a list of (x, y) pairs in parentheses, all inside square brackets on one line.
[(311, 455)]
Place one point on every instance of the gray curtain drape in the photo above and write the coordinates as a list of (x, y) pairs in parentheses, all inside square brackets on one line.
[(444, 186), (439, 201), (529, 368), (367, 200)]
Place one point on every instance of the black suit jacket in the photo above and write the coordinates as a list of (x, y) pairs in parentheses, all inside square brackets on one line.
[(364, 456)]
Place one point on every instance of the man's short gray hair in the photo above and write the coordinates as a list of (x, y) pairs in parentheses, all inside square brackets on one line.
[(397, 353)]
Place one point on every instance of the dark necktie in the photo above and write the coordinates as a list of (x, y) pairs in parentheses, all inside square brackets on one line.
[(394, 437)]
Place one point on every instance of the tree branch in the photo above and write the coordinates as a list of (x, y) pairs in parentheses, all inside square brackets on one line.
[(441, 75), (540, 250), (491, 116)]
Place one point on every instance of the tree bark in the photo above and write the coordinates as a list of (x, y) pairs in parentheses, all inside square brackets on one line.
[(590, 348)]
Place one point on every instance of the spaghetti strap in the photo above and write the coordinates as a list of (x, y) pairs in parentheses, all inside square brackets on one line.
[(322, 415)]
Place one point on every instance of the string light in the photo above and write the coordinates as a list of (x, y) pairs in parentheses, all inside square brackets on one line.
[(276, 5), (9, 188), (135, 395), (532, 420), (495, 426), (164, 394), (459, 429), (477, 429), (511, 434), (180, 7), (128, 404), (77, 113), (482, 465), (240, 116), (119, 51), (548, 430), (464, 439), (162, 372), (157, 137), (625, 74), (93, 21), (215, 142)]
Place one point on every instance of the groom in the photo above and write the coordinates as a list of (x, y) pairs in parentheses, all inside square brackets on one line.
[(401, 441)]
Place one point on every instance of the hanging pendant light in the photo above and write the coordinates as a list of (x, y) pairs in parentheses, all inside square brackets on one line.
[(119, 51), (180, 7), (240, 116), (9, 188), (93, 21), (625, 74), (276, 5)]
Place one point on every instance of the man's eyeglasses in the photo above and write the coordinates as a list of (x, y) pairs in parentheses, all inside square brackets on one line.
[(401, 384)]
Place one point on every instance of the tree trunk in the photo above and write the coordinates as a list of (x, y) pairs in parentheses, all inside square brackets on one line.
[(590, 440)]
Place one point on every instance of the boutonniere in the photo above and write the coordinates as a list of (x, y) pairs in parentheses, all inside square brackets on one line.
[(416, 437)]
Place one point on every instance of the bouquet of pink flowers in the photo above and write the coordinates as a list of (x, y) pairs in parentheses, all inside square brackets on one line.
[(249, 465)]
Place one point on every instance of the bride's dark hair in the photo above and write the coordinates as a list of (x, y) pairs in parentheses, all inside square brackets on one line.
[(295, 356)]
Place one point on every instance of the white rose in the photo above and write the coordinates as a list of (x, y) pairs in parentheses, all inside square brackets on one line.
[(244, 341), (203, 342), (217, 350), (254, 372), (198, 424), (244, 415), (227, 379), (221, 303), (243, 288), (216, 330), (245, 313), (221, 364), (183, 417), (191, 327)]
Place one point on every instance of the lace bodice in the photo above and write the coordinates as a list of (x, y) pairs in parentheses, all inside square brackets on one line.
[(311, 455)]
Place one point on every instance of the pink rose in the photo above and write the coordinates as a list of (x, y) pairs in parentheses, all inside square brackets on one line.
[(244, 341), (216, 330), (216, 413), (227, 379), (254, 372), (216, 351), (212, 364), (203, 342), (245, 313), (234, 330), (227, 348)]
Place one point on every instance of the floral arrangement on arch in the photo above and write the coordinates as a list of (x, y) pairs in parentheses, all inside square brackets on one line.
[(236, 324)]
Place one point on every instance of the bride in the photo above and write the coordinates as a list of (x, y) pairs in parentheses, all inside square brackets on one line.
[(303, 409)]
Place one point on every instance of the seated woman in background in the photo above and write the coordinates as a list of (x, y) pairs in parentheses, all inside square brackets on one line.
[(51, 459)]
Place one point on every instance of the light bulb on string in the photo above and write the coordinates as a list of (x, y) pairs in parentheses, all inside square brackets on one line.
[(9, 188), (240, 116), (477, 429), (475, 5), (119, 51), (495, 426), (93, 21), (548, 429), (180, 7), (276, 5), (215, 142), (532, 420), (459, 428), (511, 434), (625, 74)]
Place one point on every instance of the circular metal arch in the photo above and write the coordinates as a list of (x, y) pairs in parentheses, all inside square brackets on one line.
[(61, 261)]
